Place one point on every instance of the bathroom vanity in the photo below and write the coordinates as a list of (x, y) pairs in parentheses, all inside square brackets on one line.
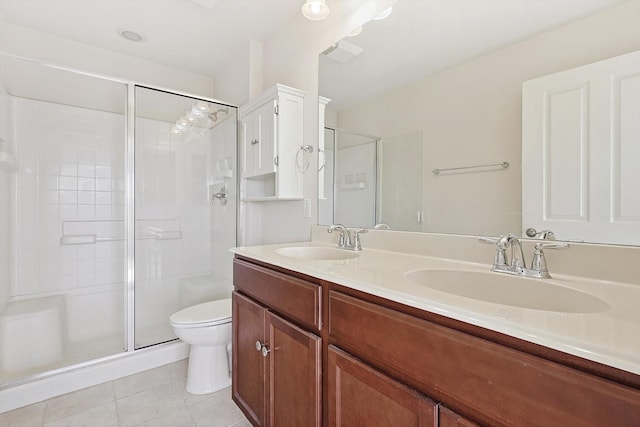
[(344, 342)]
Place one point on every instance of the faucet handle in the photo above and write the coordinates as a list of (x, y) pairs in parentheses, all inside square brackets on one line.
[(342, 239), (500, 260), (356, 238), (503, 242), (489, 240), (540, 246), (539, 262)]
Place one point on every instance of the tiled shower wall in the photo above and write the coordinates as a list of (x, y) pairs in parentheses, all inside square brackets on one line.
[(71, 169)]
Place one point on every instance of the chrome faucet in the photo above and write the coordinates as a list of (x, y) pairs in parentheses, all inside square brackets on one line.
[(518, 265), (345, 240)]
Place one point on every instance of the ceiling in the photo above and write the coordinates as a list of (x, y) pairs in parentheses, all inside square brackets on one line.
[(193, 35), (201, 36), (423, 37)]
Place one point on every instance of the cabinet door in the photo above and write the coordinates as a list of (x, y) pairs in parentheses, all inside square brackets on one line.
[(259, 141), (294, 375), (362, 396), (448, 418), (248, 385), (267, 137), (248, 144)]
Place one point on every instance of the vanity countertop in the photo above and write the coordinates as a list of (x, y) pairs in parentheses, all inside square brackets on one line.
[(610, 336)]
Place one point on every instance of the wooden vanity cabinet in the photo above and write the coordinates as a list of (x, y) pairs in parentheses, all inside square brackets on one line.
[(362, 396), (448, 418), (277, 370), (385, 364), (486, 382)]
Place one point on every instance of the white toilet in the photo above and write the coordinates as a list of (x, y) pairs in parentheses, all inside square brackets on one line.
[(207, 328)]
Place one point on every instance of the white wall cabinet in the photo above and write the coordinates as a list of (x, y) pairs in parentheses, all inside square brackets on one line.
[(258, 141), (580, 150), (271, 136)]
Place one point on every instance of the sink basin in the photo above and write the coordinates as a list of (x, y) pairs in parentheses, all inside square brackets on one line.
[(515, 291), (316, 253)]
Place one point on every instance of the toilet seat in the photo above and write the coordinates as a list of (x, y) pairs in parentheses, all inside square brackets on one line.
[(210, 313)]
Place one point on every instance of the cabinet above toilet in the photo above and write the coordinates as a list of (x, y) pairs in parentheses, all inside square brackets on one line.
[(270, 137)]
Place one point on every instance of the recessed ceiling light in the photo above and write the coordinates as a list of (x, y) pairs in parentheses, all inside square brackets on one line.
[(131, 35)]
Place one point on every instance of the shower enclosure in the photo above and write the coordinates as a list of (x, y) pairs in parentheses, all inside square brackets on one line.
[(117, 208), (365, 180)]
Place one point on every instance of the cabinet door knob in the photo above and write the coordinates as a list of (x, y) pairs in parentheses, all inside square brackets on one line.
[(265, 351), (258, 345)]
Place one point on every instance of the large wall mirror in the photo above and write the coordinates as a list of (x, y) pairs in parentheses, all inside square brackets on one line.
[(423, 114)]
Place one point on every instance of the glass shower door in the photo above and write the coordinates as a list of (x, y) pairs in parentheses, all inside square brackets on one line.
[(184, 207), (61, 218)]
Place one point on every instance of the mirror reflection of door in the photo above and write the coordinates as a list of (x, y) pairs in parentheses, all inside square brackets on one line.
[(399, 170), (325, 178)]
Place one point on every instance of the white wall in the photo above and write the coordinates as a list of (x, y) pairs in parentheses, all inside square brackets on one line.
[(471, 114)]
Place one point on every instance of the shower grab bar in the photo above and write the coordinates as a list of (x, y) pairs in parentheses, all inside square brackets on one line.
[(504, 165)]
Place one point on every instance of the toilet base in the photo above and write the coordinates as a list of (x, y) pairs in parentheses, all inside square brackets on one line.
[(208, 369)]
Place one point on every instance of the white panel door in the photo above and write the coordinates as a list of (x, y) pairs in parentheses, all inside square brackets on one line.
[(580, 151)]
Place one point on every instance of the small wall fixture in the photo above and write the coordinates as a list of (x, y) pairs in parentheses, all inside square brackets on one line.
[(315, 10)]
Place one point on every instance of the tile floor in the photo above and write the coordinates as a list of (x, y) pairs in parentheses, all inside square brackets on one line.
[(153, 398)]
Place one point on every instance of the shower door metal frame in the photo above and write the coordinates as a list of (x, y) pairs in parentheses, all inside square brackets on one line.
[(130, 219)]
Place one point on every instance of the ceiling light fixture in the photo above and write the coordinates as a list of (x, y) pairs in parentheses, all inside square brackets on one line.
[(315, 10)]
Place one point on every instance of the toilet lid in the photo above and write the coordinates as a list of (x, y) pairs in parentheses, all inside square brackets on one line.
[(212, 312)]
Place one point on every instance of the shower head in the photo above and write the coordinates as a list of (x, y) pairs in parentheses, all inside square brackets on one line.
[(214, 115)]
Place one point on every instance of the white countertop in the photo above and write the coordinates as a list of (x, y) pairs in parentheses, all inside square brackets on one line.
[(611, 337)]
